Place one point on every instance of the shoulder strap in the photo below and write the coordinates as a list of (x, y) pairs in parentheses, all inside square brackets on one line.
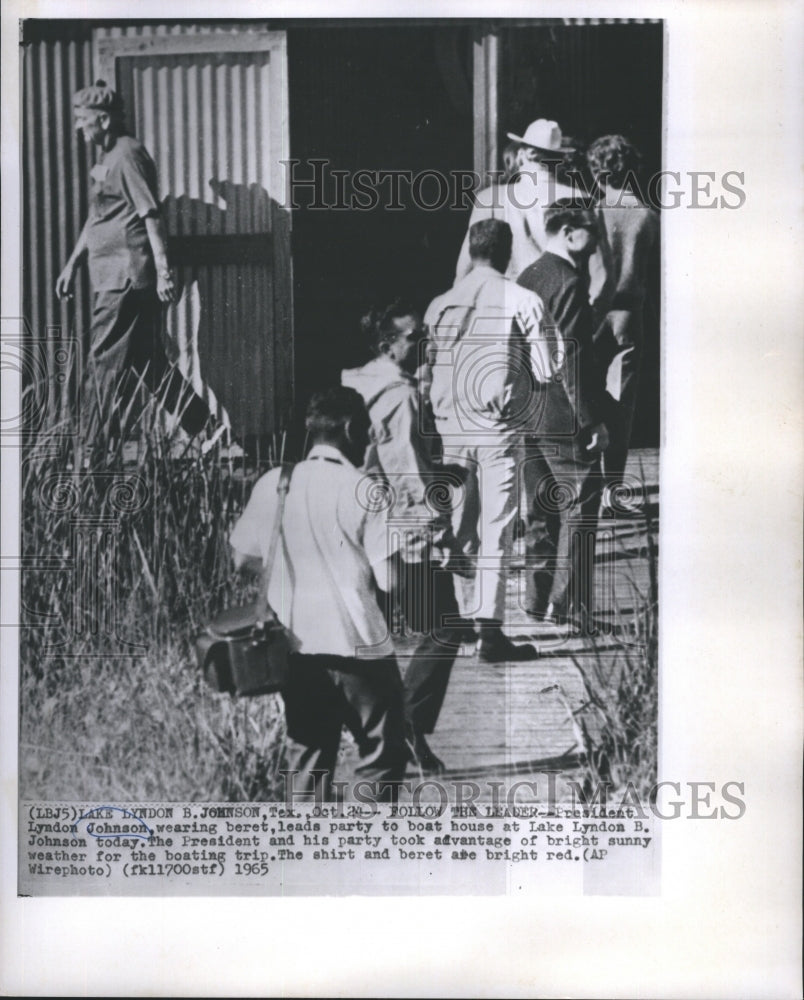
[(282, 488), (399, 383)]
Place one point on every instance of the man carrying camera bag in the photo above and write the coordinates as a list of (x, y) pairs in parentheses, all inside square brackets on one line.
[(332, 556)]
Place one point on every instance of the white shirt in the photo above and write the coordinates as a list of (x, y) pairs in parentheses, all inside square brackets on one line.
[(332, 550), (491, 341), (521, 204)]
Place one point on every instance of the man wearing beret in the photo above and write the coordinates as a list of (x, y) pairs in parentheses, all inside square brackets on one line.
[(125, 242)]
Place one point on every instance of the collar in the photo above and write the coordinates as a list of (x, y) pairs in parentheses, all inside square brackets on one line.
[(327, 453), (560, 256), (481, 267), (384, 362)]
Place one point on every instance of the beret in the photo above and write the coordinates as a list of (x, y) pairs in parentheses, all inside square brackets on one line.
[(99, 97)]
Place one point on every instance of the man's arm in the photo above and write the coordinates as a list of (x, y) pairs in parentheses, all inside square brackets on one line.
[(582, 378), (138, 181), (602, 279), (248, 538), (157, 237), (65, 279), (402, 451)]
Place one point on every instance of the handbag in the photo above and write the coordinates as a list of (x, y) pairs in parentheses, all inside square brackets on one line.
[(244, 650)]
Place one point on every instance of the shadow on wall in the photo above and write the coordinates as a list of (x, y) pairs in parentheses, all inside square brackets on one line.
[(231, 327)]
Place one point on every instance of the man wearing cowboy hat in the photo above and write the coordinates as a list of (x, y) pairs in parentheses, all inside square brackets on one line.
[(125, 243), (521, 202)]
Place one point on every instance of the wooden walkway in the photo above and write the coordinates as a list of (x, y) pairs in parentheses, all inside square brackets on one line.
[(511, 721)]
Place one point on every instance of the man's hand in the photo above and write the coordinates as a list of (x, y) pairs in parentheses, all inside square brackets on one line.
[(166, 286), (599, 439), (64, 281)]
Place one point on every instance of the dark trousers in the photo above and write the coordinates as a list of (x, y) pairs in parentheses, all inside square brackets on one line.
[(564, 486), (127, 352), (427, 599), (621, 336), (324, 693)]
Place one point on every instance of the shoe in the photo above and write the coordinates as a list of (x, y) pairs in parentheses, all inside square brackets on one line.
[(494, 646), (420, 753), (572, 624), (463, 631), (542, 622)]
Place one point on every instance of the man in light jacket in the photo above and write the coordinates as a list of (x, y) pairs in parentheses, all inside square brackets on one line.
[(488, 348), (401, 456)]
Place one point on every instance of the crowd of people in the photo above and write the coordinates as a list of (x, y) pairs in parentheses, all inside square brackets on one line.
[(518, 382), (511, 394)]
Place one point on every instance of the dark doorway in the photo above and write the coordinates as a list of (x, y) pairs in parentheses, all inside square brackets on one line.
[(374, 98), (399, 97)]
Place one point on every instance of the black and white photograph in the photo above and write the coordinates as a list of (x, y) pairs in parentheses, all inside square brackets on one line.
[(351, 392), (360, 319)]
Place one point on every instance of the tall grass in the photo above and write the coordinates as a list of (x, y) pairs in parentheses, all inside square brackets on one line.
[(619, 723), (122, 564)]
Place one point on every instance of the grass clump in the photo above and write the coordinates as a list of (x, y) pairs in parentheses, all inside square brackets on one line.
[(122, 563), (619, 721)]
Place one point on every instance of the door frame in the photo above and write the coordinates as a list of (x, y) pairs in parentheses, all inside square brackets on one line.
[(485, 86), (107, 49)]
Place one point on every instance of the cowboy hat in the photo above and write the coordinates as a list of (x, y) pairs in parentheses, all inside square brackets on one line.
[(542, 135)]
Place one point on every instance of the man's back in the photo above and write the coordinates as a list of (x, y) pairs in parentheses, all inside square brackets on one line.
[(401, 448), (521, 204), (576, 399), (322, 586), (483, 333), (632, 230)]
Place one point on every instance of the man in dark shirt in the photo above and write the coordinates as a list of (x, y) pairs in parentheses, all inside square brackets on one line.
[(126, 245), (562, 467)]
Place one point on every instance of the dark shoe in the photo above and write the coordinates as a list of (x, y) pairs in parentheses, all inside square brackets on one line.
[(419, 753), (463, 631), (494, 646)]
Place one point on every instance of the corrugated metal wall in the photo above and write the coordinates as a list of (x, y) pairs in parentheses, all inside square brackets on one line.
[(214, 125), (210, 122), (55, 166)]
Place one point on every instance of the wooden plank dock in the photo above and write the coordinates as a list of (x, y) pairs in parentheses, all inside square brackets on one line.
[(510, 721)]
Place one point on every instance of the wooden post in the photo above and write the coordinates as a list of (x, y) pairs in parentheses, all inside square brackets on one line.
[(485, 78)]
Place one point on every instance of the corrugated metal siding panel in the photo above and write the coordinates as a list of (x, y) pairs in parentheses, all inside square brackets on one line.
[(184, 120), (54, 200)]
